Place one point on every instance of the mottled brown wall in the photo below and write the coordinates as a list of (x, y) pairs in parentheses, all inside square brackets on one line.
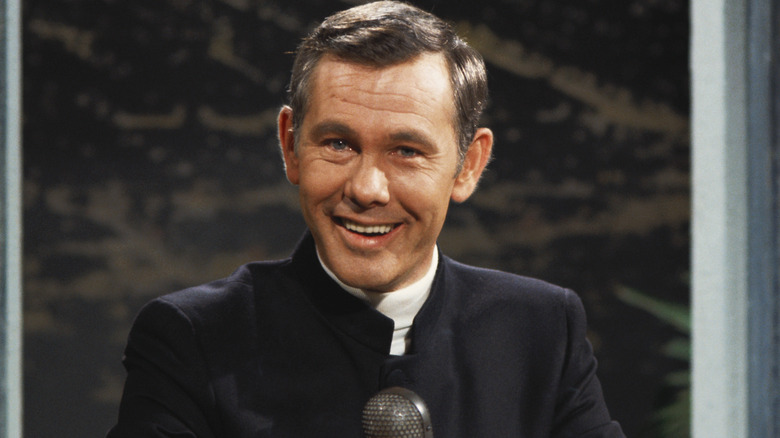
[(151, 164)]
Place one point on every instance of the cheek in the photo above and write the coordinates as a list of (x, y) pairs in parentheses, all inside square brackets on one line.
[(427, 199), (318, 184)]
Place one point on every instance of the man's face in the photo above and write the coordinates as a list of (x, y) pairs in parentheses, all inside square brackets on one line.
[(376, 162)]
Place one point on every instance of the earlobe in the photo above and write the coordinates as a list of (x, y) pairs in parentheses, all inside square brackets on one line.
[(287, 145), (474, 164)]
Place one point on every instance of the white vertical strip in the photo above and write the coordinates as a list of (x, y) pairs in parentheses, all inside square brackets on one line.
[(719, 247), (13, 196)]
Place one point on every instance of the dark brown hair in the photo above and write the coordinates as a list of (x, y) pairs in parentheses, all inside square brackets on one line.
[(386, 33)]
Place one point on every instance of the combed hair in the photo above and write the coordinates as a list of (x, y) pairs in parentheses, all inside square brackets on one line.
[(386, 33)]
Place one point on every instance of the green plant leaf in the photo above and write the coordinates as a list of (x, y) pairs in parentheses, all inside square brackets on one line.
[(680, 379), (676, 315), (678, 348), (674, 419)]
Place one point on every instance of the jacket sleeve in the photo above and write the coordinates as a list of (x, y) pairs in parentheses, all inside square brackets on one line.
[(167, 392), (580, 409)]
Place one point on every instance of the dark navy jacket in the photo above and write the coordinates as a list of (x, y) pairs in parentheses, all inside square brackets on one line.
[(279, 350)]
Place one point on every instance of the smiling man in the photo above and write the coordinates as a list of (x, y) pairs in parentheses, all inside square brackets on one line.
[(380, 136), (376, 160)]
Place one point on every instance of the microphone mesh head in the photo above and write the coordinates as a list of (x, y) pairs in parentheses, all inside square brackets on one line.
[(393, 413)]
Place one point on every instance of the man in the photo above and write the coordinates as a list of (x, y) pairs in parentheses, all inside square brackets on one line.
[(380, 135)]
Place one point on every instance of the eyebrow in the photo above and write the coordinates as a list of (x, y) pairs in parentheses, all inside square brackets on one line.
[(332, 128), (412, 137)]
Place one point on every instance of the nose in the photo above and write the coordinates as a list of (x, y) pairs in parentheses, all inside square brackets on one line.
[(367, 186)]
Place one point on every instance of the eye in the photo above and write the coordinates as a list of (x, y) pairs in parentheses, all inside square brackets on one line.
[(338, 145), (407, 152)]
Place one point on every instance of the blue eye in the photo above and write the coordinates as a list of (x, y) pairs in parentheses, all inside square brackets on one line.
[(407, 152), (339, 145)]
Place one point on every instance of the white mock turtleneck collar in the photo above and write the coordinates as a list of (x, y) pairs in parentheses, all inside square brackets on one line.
[(399, 305)]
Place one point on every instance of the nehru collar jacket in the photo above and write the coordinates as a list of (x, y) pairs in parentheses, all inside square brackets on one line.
[(279, 350)]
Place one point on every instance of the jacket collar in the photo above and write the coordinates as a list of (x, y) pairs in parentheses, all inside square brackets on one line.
[(339, 308)]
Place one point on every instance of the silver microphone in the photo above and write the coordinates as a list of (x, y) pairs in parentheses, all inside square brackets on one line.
[(396, 413)]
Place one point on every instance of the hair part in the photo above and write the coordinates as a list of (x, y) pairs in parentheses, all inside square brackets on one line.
[(386, 33)]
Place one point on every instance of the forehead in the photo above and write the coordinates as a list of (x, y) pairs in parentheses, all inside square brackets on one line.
[(418, 86)]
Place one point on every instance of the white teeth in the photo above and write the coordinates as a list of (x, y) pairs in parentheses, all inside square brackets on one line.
[(372, 229)]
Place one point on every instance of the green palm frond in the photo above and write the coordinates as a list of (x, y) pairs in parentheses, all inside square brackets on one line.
[(673, 419), (676, 315)]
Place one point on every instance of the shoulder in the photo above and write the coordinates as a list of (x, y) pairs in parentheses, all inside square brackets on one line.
[(511, 298), (232, 298), (502, 285)]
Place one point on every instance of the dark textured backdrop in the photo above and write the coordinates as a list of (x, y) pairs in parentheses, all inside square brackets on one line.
[(151, 164)]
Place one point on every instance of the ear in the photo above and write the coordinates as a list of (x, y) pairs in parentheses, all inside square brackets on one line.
[(474, 164), (287, 144)]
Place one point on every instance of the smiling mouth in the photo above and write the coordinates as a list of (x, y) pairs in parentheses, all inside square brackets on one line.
[(367, 230)]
